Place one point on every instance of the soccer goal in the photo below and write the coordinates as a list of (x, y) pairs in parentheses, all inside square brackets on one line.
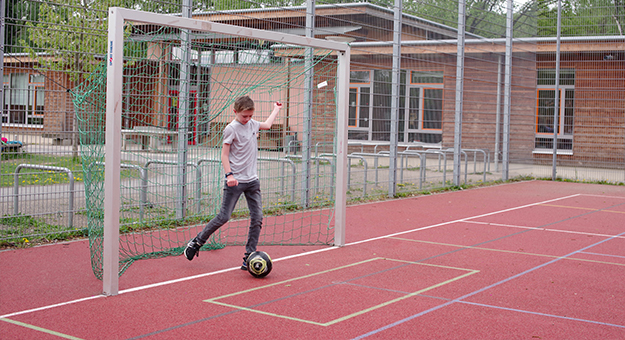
[(151, 150)]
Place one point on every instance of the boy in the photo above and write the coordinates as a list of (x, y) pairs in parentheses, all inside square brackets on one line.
[(239, 160)]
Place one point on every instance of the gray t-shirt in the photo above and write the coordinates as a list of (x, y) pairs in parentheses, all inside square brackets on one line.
[(243, 149)]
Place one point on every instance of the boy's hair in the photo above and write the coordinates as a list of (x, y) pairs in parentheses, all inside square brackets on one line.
[(243, 103)]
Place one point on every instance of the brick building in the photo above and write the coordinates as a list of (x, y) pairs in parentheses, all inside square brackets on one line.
[(592, 87)]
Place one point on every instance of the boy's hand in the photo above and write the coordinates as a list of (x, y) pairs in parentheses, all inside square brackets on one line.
[(232, 182), (277, 105)]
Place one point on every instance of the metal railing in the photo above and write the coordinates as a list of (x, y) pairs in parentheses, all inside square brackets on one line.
[(16, 188)]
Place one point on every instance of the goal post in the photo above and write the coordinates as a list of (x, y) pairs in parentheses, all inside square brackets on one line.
[(118, 19)]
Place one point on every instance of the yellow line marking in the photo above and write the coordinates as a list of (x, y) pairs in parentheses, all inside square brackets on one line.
[(582, 208), (547, 229), (349, 316), (268, 313), (509, 251), (61, 335)]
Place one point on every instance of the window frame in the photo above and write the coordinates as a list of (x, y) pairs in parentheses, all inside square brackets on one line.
[(4, 114), (33, 112), (358, 107), (562, 117), (358, 86), (422, 87)]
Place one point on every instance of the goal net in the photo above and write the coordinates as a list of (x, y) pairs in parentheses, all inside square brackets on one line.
[(151, 120)]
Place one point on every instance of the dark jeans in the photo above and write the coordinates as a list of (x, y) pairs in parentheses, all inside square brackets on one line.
[(252, 194)]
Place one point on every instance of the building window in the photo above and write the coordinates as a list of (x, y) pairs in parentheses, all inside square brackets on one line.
[(425, 107), (359, 105), (24, 100), (545, 110), (206, 58), (420, 106)]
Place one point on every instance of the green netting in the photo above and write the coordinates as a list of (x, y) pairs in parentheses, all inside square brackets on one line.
[(171, 174)]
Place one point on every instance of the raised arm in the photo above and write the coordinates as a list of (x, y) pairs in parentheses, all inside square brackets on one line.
[(266, 125)]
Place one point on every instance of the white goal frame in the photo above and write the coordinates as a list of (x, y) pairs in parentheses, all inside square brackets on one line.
[(114, 60)]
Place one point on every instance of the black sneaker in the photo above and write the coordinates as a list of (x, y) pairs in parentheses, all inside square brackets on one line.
[(244, 265), (192, 250)]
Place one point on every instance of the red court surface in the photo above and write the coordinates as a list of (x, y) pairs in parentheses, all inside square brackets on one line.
[(529, 260)]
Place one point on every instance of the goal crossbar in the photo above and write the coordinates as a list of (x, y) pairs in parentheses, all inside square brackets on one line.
[(114, 61)]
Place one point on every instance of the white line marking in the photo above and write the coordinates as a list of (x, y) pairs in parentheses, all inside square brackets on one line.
[(50, 306)]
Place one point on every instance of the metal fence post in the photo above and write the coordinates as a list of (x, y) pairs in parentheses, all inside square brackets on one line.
[(459, 90), (395, 91)]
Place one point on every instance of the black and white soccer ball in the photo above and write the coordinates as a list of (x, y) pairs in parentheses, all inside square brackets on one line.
[(259, 264)]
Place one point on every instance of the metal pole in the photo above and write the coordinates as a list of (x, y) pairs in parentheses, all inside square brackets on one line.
[(2, 23), (395, 94), (112, 148), (498, 114), (308, 86), (507, 95), (183, 115), (557, 99), (342, 111), (459, 91)]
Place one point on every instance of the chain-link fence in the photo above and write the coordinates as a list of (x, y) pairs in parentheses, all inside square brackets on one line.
[(442, 93)]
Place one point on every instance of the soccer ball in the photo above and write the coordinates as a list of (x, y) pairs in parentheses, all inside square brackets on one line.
[(259, 264)]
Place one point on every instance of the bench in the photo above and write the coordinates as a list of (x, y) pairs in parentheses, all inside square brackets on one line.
[(58, 138), (267, 139), (152, 137)]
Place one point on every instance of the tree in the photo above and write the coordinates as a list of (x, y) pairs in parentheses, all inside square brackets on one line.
[(619, 15), (68, 35), (582, 17), (486, 18), (17, 14)]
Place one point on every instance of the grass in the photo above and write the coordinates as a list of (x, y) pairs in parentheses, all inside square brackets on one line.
[(44, 177), (603, 182), (23, 231), (39, 177)]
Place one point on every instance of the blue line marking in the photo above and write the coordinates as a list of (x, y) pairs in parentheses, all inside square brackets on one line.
[(482, 289), (543, 314)]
